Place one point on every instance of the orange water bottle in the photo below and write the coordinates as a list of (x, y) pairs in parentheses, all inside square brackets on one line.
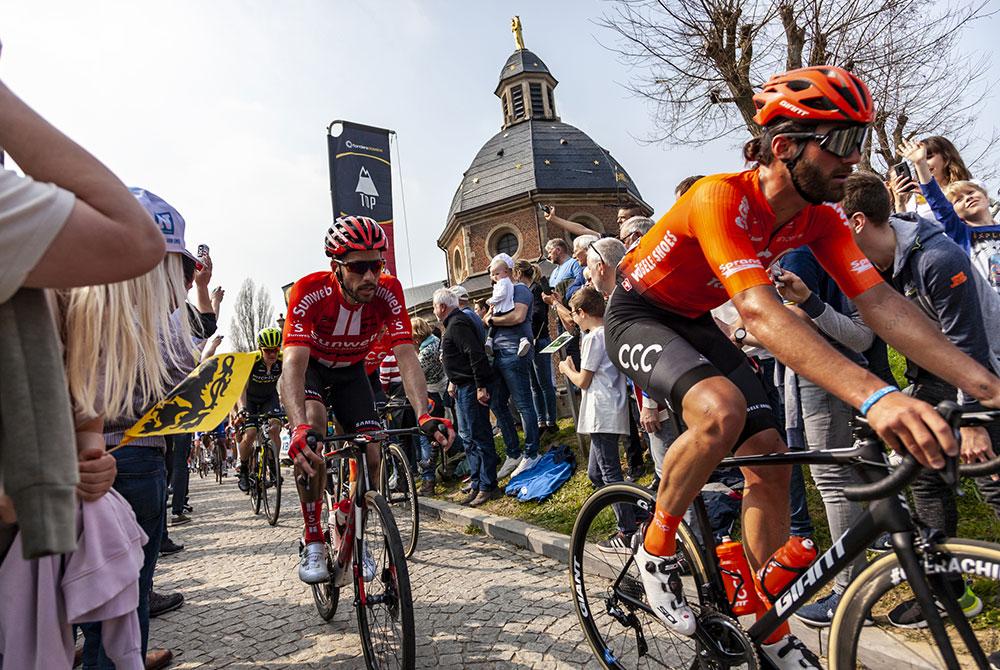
[(737, 577), (790, 561)]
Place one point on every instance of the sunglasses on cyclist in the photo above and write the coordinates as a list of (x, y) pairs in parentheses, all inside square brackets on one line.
[(362, 267), (841, 142), (270, 350)]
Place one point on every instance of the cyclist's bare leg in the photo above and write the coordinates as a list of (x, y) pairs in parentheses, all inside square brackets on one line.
[(766, 516), (316, 416), (714, 411), (374, 456), (249, 435), (274, 432)]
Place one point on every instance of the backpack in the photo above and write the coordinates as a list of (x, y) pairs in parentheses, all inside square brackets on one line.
[(553, 469)]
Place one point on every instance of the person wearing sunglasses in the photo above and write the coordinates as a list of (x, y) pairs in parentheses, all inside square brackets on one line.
[(334, 319), (261, 397), (714, 245)]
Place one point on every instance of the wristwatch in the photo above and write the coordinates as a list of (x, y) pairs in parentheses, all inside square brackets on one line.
[(739, 335)]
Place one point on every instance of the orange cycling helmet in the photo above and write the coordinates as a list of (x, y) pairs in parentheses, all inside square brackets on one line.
[(355, 233), (818, 94)]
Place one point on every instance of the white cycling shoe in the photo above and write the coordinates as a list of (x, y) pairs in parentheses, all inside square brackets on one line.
[(368, 566), (662, 581), (789, 653), (312, 564)]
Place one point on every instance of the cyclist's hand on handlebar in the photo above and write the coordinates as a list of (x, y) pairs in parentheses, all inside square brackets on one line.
[(300, 452), (977, 447), (910, 425), (438, 429)]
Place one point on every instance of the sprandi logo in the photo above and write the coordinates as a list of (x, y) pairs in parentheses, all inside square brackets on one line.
[(733, 267), (860, 265)]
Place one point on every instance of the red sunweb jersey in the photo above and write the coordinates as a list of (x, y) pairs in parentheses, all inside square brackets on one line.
[(718, 238), (337, 332)]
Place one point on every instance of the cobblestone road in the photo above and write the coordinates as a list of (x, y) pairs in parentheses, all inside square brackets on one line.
[(478, 603)]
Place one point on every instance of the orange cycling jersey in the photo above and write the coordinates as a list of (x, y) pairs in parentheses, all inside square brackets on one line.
[(339, 333), (717, 240)]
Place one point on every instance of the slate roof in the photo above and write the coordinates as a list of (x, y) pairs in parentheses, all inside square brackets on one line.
[(417, 295), (539, 155), (478, 286), (522, 61)]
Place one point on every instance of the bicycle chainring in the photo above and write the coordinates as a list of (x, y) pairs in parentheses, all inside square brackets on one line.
[(724, 644)]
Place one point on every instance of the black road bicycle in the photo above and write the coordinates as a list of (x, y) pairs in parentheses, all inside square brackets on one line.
[(365, 548), (397, 482), (612, 608), (264, 470)]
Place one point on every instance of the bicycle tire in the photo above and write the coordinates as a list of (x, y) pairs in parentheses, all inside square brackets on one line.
[(585, 568), (403, 500), (881, 577), (327, 595), (274, 464), (220, 463), (255, 481), (394, 577)]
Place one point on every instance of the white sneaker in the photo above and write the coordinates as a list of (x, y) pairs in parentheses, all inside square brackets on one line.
[(789, 653), (312, 564), (526, 464), (368, 566), (662, 581), (523, 347), (509, 465)]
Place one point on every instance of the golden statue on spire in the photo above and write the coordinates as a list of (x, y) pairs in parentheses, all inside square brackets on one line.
[(515, 27)]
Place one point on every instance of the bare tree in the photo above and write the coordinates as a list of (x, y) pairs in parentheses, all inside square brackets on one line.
[(700, 61), (253, 312)]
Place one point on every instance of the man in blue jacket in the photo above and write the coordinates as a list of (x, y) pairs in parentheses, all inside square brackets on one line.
[(920, 261)]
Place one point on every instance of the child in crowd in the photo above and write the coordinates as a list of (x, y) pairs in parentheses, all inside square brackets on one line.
[(603, 413), (502, 301)]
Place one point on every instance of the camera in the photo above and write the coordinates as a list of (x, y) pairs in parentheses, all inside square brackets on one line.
[(902, 169), (545, 208)]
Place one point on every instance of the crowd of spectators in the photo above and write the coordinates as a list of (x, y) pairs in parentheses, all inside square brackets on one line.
[(97, 327)]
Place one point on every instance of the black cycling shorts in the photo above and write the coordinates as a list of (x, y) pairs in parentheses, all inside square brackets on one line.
[(257, 406), (665, 354), (347, 392)]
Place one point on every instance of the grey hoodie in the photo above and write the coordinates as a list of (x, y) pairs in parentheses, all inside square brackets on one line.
[(936, 274)]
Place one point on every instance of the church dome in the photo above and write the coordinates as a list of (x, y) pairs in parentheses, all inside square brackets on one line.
[(540, 156)]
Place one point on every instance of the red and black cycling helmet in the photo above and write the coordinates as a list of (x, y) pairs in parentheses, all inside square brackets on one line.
[(820, 94), (355, 233)]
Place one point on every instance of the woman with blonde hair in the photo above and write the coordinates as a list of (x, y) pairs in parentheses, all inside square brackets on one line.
[(141, 337)]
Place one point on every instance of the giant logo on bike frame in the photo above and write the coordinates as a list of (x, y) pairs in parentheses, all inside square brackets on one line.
[(201, 401)]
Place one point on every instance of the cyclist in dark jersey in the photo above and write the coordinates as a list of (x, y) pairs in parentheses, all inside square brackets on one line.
[(715, 244), (261, 397)]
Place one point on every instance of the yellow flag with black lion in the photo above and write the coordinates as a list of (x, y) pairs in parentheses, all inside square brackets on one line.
[(201, 401)]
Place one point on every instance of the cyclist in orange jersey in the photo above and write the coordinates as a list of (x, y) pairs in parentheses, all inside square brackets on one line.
[(716, 243)]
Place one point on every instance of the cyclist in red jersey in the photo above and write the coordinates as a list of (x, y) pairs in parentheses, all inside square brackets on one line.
[(715, 244), (333, 321)]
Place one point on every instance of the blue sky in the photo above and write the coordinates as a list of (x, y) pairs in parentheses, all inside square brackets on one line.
[(221, 107)]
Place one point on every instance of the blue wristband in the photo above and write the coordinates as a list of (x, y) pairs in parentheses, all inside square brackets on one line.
[(875, 397)]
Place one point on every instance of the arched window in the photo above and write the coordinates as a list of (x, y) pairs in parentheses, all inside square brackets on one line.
[(457, 266)]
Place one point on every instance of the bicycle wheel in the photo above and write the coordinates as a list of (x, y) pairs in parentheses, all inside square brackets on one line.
[(272, 485), (385, 605), (399, 488), (882, 586), (255, 480), (609, 597), (326, 595)]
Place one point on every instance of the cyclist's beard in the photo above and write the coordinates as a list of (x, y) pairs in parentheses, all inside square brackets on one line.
[(812, 184), (353, 293)]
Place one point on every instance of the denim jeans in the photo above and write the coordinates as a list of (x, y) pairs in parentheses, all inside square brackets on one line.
[(180, 481), (604, 467), (827, 423), (543, 391), (142, 481), (514, 382), (477, 434)]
